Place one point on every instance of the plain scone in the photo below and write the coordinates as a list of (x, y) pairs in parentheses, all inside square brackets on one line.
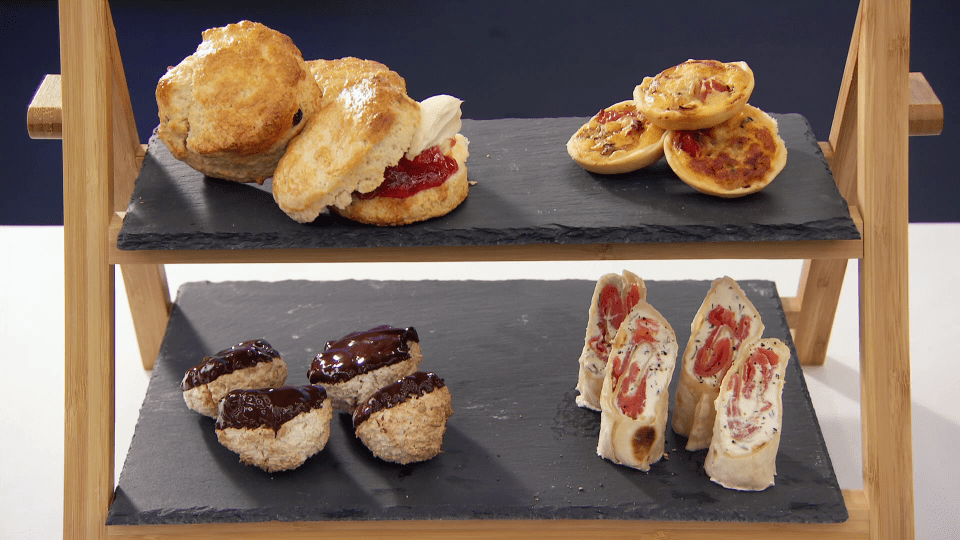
[(365, 125), (230, 109)]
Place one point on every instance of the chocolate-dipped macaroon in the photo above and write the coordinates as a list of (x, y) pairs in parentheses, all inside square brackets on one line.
[(404, 422), (352, 368), (275, 429), (251, 364)]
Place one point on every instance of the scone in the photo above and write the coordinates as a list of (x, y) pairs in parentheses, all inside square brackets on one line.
[(613, 297), (726, 320), (352, 368), (616, 140), (275, 429), (635, 395), (251, 364), (230, 109), (746, 434), (404, 422), (695, 94), (365, 125), (430, 185), (733, 159)]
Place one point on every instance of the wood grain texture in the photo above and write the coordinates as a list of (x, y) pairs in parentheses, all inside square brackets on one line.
[(89, 278), (148, 295), (926, 111), (45, 112), (882, 157), (855, 528)]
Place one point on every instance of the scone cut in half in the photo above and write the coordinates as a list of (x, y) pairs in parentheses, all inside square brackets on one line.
[(355, 366), (726, 320), (275, 429), (230, 109), (370, 134), (739, 157), (404, 422), (616, 140), (635, 395), (746, 434), (250, 364), (695, 94), (613, 297)]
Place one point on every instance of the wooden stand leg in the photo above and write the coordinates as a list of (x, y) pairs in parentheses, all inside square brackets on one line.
[(882, 131), (149, 297), (818, 297), (89, 278)]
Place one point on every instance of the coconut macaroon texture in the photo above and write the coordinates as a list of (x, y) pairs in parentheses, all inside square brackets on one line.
[(250, 364), (230, 109), (404, 422), (618, 139), (275, 429), (355, 366)]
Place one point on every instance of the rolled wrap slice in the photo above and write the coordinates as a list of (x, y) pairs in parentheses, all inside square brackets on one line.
[(726, 319), (613, 297), (634, 398), (746, 434)]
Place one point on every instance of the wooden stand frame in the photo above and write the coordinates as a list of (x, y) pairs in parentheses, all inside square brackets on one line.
[(867, 151)]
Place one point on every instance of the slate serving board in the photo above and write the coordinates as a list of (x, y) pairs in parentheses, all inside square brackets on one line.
[(517, 446), (527, 190)]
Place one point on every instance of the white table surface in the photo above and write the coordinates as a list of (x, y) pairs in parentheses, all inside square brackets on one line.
[(32, 338)]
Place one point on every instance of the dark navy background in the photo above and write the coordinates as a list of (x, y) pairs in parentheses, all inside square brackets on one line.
[(505, 58)]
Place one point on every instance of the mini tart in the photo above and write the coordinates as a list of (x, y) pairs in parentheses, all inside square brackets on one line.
[(398, 201), (616, 140), (695, 94), (275, 429), (251, 364), (404, 422), (355, 366), (736, 158)]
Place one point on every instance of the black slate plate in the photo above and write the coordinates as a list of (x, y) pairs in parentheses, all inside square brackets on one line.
[(517, 446), (527, 190)]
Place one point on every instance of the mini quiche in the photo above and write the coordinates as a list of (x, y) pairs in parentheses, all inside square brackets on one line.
[(616, 140), (736, 158), (695, 94)]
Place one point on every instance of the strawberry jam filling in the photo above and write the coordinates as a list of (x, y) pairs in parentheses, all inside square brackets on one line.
[(427, 170)]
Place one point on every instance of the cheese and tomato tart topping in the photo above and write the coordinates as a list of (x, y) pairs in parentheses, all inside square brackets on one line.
[(746, 435), (616, 140), (613, 298), (736, 158), (634, 399), (695, 94)]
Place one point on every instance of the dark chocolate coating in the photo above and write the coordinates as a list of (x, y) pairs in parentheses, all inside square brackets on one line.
[(268, 407), (361, 352), (414, 385), (240, 356)]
